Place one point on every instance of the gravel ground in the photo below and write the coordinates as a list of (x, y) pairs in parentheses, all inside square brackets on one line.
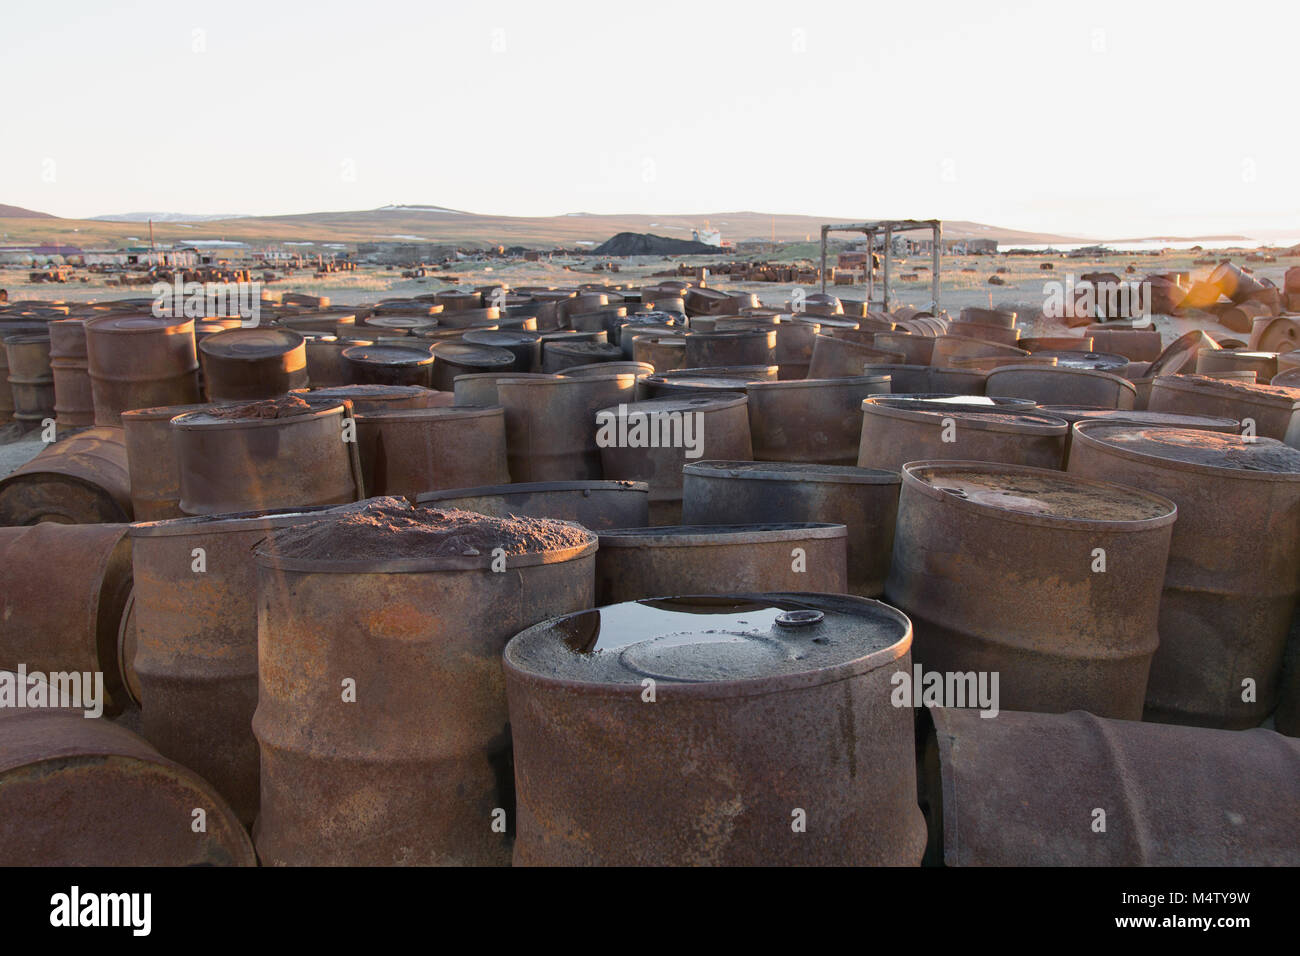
[(18, 453)]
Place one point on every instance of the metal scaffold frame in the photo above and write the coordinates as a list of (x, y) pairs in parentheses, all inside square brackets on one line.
[(889, 227)]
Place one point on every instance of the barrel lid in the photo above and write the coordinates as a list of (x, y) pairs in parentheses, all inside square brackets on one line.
[(467, 353), (250, 520), (1230, 354), (369, 393), (1037, 493), (586, 348), (388, 355), (137, 323), (381, 415), (826, 321), (251, 343), (1011, 419), (642, 369), (501, 338), (943, 400), (744, 640), (1075, 359), (1079, 413), (1179, 352), (667, 340), (1276, 395), (267, 412), (382, 539), (706, 383), (875, 379), (791, 471), (732, 333), (402, 321), (695, 535), (161, 412), (27, 338), (1190, 446)]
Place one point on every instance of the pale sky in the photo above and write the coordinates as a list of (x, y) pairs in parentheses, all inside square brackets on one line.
[(1104, 119)]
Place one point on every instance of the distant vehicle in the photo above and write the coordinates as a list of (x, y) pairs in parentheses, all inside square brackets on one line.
[(710, 237)]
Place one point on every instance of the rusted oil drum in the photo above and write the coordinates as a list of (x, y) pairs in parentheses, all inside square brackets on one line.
[(1050, 343), (641, 370), (1138, 345), (74, 403), (469, 319), (63, 592), (326, 366), (1082, 413), (155, 473), (31, 381), (985, 333), (814, 420), (416, 769), (413, 450), (1234, 566), (1054, 385), (650, 441), (1172, 796), (196, 643), (1210, 361), (896, 432), (747, 373), (561, 355), (385, 364), (949, 348), (863, 500), (636, 563), (664, 352), (551, 423), (596, 505), (733, 347), (455, 300), (1003, 318), (464, 358), (1274, 410), (1092, 361), (138, 361), (523, 345), (245, 365), (1071, 623), (840, 358), (374, 398), (1288, 379), (81, 479), (232, 458), (1182, 354), (987, 363), (77, 792), (481, 388), (767, 711), (329, 322), (915, 349)]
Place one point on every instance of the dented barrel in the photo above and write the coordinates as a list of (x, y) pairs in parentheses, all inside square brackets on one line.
[(81, 479), (139, 361), (595, 505), (410, 451), (814, 420), (896, 431)]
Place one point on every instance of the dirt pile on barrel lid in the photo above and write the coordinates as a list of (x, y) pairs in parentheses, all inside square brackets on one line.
[(1203, 448), (388, 531), (271, 408), (1246, 389)]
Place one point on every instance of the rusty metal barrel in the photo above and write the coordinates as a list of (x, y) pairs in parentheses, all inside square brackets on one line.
[(374, 398), (1058, 385), (63, 593), (31, 381), (561, 355), (596, 505), (812, 420), (385, 364), (1213, 361), (381, 706), (196, 643), (664, 352), (1233, 579), (326, 366), (81, 479), (1084, 413), (769, 713), (1070, 620), (413, 450), (551, 423), (895, 432), (481, 389), (464, 358), (151, 460), (834, 357), (636, 563), (864, 500), (1274, 410), (74, 403), (232, 458), (525, 346), (731, 347), (650, 441), (950, 348), (138, 361), (1024, 790), (77, 793), (245, 365)]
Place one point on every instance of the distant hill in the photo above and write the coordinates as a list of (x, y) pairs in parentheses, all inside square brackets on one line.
[(164, 217), (439, 224), (639, 244), (18, 212)]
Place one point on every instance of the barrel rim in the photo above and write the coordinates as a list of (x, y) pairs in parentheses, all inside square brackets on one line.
[(1063, 370), (800, 472), (847, 381), (1221, 388), (324, 411), (425, 565), (532, 487), (1047, 426), (729, 689), (1041, 521), (1174, 464), (712, 535)]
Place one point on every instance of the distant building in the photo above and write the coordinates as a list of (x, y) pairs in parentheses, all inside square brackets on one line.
[(40, 255)]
